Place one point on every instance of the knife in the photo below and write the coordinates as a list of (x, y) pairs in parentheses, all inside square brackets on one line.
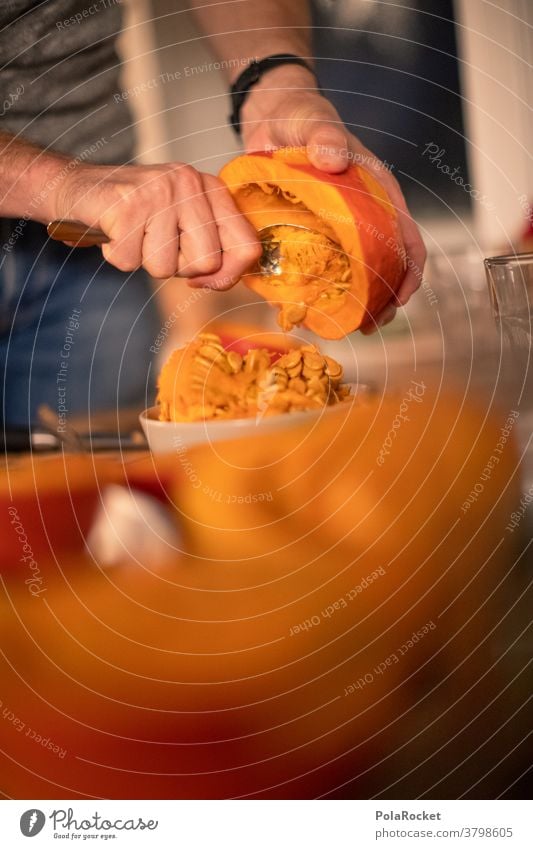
[(39, 440), (77, 233)]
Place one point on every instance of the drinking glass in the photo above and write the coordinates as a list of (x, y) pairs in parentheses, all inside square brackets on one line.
[(510, 281)]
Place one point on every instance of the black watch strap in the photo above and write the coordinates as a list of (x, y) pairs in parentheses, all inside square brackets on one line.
[(251, 75)]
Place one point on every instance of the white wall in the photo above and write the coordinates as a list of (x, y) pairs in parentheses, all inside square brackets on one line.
[(182, 112), (496, 45), (138, 47)]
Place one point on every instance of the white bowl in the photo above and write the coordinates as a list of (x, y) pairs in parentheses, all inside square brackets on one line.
[(167, 437)]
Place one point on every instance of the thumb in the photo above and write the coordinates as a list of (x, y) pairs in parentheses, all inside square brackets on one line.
[(327, 147)]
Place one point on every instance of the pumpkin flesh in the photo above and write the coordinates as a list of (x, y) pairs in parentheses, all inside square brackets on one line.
[(203, 381), (331, 291)]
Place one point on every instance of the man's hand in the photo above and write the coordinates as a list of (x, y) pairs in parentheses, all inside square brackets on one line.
[(170, 219), (286, 109)]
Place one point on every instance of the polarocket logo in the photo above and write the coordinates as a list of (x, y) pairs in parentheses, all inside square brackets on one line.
[(32, 822)]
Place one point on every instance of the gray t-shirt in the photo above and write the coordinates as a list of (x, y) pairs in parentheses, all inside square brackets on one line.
[(59, 70)]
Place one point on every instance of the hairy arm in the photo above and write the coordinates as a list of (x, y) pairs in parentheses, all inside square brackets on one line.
[(29, 177), (242, 30), (171, 219)]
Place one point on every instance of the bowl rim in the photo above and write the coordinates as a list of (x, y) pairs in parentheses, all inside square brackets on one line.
[(148, 415)]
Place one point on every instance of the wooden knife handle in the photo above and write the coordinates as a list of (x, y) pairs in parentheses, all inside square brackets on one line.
[(77, 233)]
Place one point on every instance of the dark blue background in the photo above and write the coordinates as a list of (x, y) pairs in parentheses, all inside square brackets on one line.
[(392, 73)]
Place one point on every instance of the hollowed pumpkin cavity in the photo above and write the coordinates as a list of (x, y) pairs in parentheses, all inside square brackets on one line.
[(330, 290)]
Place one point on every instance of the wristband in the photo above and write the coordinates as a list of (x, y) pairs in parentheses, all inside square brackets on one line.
[(251, 75)]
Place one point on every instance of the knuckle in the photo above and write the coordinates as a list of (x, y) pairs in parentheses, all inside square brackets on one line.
[(122, 257), (127, 198), (213, 186), (211, 181), (208, 264), (159, 259), (122, 263), (159, 269), (153, 194), (189, 179)]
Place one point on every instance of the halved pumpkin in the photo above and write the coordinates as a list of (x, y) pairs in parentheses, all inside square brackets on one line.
[(330, 290)]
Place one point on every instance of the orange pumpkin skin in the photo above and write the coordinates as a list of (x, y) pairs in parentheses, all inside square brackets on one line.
[(353, 208)]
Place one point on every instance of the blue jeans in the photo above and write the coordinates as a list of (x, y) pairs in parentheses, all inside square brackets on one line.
[(75, 333)]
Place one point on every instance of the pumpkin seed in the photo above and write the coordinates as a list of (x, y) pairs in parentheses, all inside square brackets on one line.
[(313, 361), (291, 359), (210, 352), (203, 362), (333, 369), (210, 337), (295, 313), (298, 385), (295, 371), (235, 361)]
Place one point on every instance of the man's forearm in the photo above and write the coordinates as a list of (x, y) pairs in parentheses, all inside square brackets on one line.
[(252, 29), (29, 178)]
